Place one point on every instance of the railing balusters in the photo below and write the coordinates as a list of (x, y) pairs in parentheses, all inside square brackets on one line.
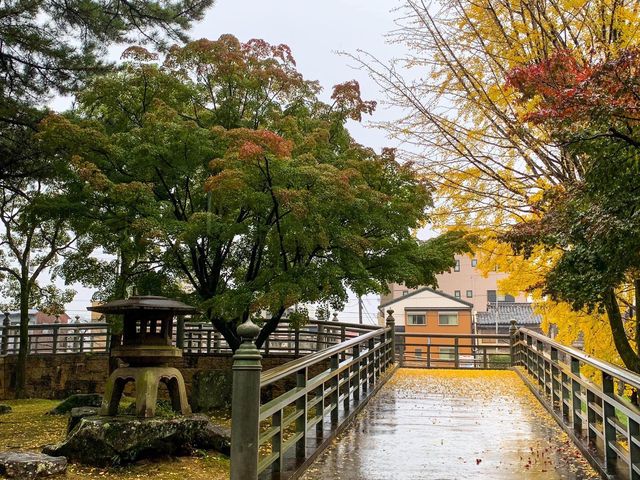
[(301, 421), (608, 417)]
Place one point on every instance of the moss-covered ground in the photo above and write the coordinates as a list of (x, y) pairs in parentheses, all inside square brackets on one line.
[(28, 428)]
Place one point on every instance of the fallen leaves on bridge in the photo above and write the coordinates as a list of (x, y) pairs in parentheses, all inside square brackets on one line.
[(453, 424)]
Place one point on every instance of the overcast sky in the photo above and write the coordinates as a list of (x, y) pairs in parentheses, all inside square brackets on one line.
[(315, 32)]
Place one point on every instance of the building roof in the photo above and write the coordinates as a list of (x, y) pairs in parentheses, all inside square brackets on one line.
[(426, 289), (504, 312)]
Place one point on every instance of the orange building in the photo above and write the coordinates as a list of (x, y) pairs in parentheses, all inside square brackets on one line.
[(440, 322)]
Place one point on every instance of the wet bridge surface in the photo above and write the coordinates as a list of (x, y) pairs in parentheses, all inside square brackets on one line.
[(452, 424)]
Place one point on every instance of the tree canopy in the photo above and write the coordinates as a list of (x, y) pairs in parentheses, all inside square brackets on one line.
[(592, 113), (221, 167), (51, 47)]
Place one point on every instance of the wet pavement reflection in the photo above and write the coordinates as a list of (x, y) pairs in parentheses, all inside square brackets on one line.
[(452, 424)]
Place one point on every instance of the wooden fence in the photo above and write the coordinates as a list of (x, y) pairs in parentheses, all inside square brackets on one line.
[(193, 338), (588, 397), (284, 417), (439, 350)]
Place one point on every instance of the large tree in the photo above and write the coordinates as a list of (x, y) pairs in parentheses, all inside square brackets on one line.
[(249, 186), (34, 238), (462, 122), (591, 111), (51, 47)]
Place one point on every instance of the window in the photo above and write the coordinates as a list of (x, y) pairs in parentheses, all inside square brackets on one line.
[(457, 267), (416, 319), (447, 353), (457, 294), (474, 262), (469, 293), (448, 318), (491, 296), (405, 292), (418, 353)]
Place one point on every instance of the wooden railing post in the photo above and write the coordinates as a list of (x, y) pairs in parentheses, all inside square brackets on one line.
[(391, 323), (576, 402), (245, 410), (608, 429), (54, 339), (301, 421), (4, 347), (296, 341), (513, 331)]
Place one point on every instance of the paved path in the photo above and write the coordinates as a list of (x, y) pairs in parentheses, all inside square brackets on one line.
[(454, 425)]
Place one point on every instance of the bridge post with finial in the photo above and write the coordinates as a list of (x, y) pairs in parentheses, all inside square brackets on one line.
[(245, 405), (513, 332), (391, 323)]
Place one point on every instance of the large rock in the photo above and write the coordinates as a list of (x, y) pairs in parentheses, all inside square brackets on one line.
[(74, 401), (104, 441), (4, 408), (211, 390), (28, 465), (78, 414)]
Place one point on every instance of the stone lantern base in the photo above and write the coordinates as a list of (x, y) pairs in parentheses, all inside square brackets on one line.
[(146, 380)]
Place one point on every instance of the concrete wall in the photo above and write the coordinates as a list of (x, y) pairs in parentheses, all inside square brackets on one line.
[(58, 376)]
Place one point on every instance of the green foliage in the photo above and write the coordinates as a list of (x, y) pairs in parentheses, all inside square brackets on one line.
[(53, 47), (221, 169)]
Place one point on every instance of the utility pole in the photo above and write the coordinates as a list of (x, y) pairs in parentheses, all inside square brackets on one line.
[(360, 309)]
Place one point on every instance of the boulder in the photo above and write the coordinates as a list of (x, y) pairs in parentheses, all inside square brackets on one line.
[(28, 465), (105, 441), (78, 400), (4, 408), (211, 390), (78, 414)]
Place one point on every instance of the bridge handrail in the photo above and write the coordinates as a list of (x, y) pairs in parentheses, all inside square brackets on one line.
[(289, 368), (282, 415), (627, 376), (590, 405)]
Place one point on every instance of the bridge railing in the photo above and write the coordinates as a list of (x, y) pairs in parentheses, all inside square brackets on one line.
[(194, 337), (282, 418), (588, 397), (439, 350)]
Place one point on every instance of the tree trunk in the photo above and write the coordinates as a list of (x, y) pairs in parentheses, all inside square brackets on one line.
[(21, 366), (628, 355), (636, 314), (269, 328)]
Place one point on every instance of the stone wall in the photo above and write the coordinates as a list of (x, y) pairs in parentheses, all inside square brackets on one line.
[(58, 376)]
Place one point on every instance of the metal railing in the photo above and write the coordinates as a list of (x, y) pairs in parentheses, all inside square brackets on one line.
[(282, 418), (440, 350), (586, 395), (194, 338)]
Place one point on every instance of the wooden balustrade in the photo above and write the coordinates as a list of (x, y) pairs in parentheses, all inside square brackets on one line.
[(194, 338), (301, 405), (588, 397), (440, 350)]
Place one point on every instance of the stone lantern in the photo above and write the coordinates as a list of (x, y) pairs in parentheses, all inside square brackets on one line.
[(146, 348)]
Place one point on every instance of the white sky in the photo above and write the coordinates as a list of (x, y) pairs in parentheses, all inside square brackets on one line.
[(315, 32)]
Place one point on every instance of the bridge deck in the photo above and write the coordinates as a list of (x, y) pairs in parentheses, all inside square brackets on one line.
[(446, 424)]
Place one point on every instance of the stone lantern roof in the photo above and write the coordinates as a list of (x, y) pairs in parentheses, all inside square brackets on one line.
[(144, 302)]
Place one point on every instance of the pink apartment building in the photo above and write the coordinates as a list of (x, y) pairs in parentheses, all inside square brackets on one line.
[(466, 283)]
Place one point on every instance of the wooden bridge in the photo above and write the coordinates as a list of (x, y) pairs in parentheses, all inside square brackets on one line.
[(552, 412), (285, 418)]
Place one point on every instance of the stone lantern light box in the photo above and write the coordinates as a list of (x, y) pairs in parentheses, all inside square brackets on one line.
[(146, 348)]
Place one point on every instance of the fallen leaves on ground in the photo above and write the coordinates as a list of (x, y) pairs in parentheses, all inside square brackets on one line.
[(28, 428)]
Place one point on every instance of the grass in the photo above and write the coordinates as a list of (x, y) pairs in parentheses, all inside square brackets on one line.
[(28, 428)]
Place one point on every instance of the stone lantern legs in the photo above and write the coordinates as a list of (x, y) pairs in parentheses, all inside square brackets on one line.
[(146, 380)]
